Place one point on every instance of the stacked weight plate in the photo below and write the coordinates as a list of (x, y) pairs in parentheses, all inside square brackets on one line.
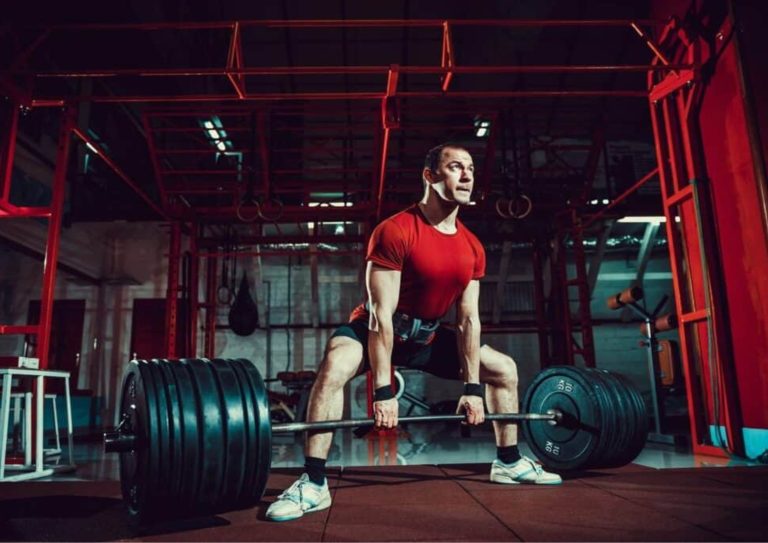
[(605, 422), (203, 436)]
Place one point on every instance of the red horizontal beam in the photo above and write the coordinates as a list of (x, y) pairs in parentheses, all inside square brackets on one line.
[(361, 23), (10, 211), (274, 96), (344, 70), (8, 330)]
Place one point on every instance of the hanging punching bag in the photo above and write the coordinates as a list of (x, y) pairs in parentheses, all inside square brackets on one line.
[(244, 314)]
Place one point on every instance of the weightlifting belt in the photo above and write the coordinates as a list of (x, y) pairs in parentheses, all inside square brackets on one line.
[(413, 329)]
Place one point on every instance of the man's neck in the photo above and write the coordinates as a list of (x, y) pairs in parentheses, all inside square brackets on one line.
[(439, 213)]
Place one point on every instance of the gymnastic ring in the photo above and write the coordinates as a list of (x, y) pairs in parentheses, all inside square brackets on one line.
[(243, 218), (502, 203), (277, 215), (513, 203)]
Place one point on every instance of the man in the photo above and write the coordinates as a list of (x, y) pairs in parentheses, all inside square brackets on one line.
[(421, 261)]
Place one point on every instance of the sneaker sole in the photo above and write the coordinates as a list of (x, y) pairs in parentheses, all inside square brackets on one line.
[(325, 504), (500, 479)]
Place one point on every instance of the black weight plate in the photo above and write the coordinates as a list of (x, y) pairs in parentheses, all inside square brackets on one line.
[(211, 424), (244, 496), (627, 419), (607, 427), (235, 433), (164, 454), (192, 445), (153, 443), (258, 392), (134, 464), (570, 443), (611, 435), (175, 437), (637, 443)]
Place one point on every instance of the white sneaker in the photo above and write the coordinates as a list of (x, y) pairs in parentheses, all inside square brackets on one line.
[(301, 497), (524, 470)]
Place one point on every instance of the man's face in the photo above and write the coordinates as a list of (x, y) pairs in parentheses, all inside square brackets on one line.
[(454, 177)]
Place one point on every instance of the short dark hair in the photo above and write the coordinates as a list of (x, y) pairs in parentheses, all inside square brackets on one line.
[(432, 160)]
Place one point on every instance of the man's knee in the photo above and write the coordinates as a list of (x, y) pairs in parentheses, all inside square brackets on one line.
[(339, 365), (501, 369)]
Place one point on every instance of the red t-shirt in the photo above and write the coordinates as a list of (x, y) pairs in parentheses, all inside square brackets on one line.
[(436, 267)]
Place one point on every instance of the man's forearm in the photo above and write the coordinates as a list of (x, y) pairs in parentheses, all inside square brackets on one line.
[(380, 355), (468, 331)]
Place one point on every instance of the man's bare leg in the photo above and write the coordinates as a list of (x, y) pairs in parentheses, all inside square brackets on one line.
[(499, 373), (341, 363), (342, 360)]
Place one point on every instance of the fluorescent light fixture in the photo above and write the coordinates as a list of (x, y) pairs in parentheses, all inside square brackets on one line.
[(216, 134), (91, 147), (644, 219), (482, 128), (606, 201), (329, 204)]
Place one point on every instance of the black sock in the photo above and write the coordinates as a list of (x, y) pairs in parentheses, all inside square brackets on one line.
[(315, 468), (508, 455)]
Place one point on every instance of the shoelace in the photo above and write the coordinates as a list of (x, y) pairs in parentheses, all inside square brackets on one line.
[(295, 492), (535, 465)]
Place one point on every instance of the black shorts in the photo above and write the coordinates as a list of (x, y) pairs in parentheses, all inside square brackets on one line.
[(440, 357)]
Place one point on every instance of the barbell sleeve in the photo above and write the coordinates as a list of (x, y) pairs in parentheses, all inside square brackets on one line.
[(288, 427)]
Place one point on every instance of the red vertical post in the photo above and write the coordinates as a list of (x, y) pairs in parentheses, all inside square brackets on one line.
[(209, 349), (446, 60), (389, 120), (9, 121), (54, 234), (587, 347), (194, 289), (172, 294)]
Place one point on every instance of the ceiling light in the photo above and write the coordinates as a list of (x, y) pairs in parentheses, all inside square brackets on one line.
[(651, 219)]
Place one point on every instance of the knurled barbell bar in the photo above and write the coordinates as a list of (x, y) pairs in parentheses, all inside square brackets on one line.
[(195, 434)]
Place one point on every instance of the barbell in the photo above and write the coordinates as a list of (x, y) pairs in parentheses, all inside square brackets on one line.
[(194, 435)]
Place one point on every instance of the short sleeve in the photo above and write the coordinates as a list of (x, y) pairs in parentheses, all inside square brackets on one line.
[(479, 269), (387, 246)]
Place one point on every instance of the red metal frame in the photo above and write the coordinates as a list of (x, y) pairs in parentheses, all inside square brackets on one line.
[(236, 72), (693, 258)]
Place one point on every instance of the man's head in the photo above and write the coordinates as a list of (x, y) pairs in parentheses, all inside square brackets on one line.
[(450, 173)]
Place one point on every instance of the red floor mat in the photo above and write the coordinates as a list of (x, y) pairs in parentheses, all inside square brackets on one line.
[(428, 503)]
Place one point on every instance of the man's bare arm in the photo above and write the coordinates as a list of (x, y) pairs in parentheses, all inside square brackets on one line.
[(383, 294), (468, 336)]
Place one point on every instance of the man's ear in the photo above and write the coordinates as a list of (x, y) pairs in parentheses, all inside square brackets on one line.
[(428, 175)]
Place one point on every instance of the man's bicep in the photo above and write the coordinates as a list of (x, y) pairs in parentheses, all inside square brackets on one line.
[(468, 303), (383, 287)]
